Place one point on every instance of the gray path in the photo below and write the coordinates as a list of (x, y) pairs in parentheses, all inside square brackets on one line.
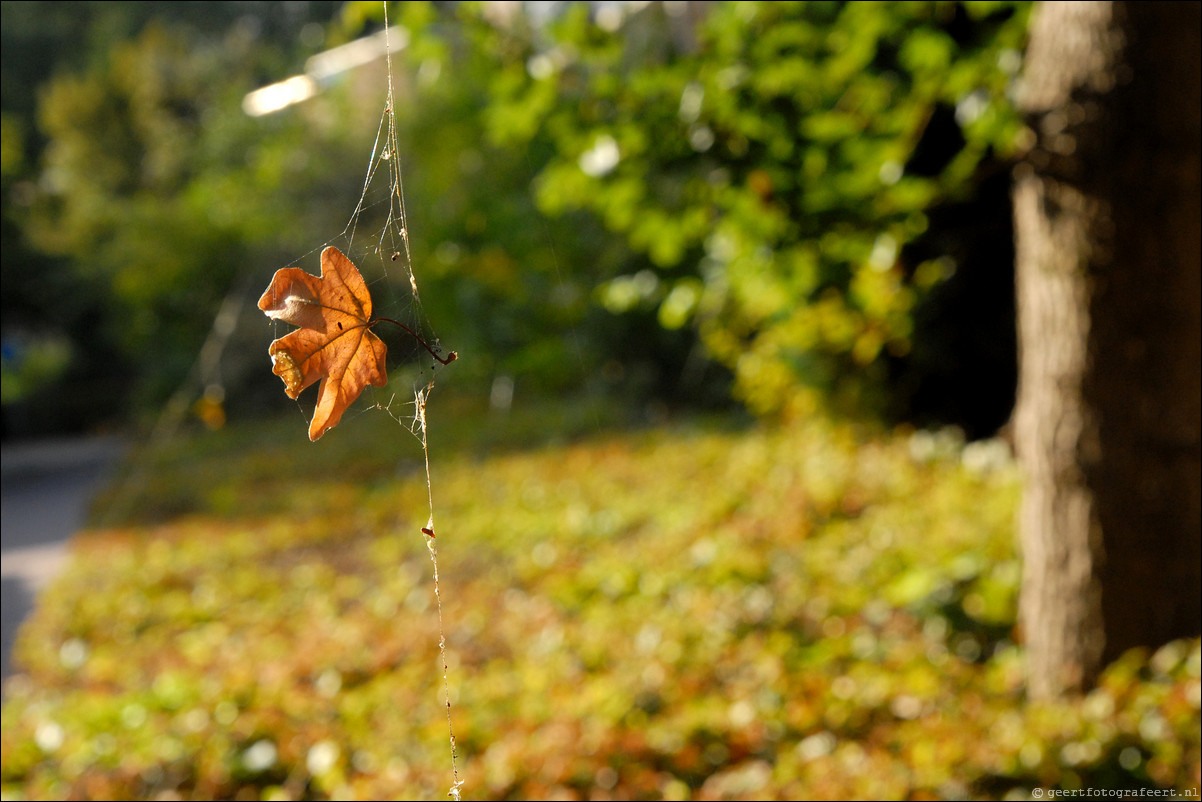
[(46, 487)]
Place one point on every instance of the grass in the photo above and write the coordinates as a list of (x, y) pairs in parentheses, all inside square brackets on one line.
[(705, 609)]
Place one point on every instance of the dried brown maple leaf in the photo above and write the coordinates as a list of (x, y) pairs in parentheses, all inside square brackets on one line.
[(334, 343)]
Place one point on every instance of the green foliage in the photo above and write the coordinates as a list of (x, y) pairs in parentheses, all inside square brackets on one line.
[(741, 187), (700, 611), (124, 147), (508, 287), (33, 364), (771, 164), (162, 194)]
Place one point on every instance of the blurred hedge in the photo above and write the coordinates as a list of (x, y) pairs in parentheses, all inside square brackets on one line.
[(769, 172), (751, 191)]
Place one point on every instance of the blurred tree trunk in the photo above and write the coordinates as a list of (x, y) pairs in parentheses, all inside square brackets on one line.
[(1109, 287)]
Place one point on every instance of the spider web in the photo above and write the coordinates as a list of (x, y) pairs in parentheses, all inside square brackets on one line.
[(376, 238), (392, 238)]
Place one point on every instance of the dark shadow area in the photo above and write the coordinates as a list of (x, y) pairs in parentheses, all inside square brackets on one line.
[(963, 367)]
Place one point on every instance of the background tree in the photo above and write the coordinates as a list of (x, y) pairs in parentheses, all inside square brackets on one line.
[(1109, 252)]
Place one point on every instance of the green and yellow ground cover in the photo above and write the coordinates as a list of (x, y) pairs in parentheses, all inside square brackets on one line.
[(704, 609)]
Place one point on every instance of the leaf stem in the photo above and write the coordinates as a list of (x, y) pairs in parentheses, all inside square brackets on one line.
[(451, 357)]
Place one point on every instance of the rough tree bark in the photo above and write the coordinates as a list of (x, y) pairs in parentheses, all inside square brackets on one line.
[(1108, 224)]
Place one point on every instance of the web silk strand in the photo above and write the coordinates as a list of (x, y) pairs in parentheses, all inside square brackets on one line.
[(397, 204)]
